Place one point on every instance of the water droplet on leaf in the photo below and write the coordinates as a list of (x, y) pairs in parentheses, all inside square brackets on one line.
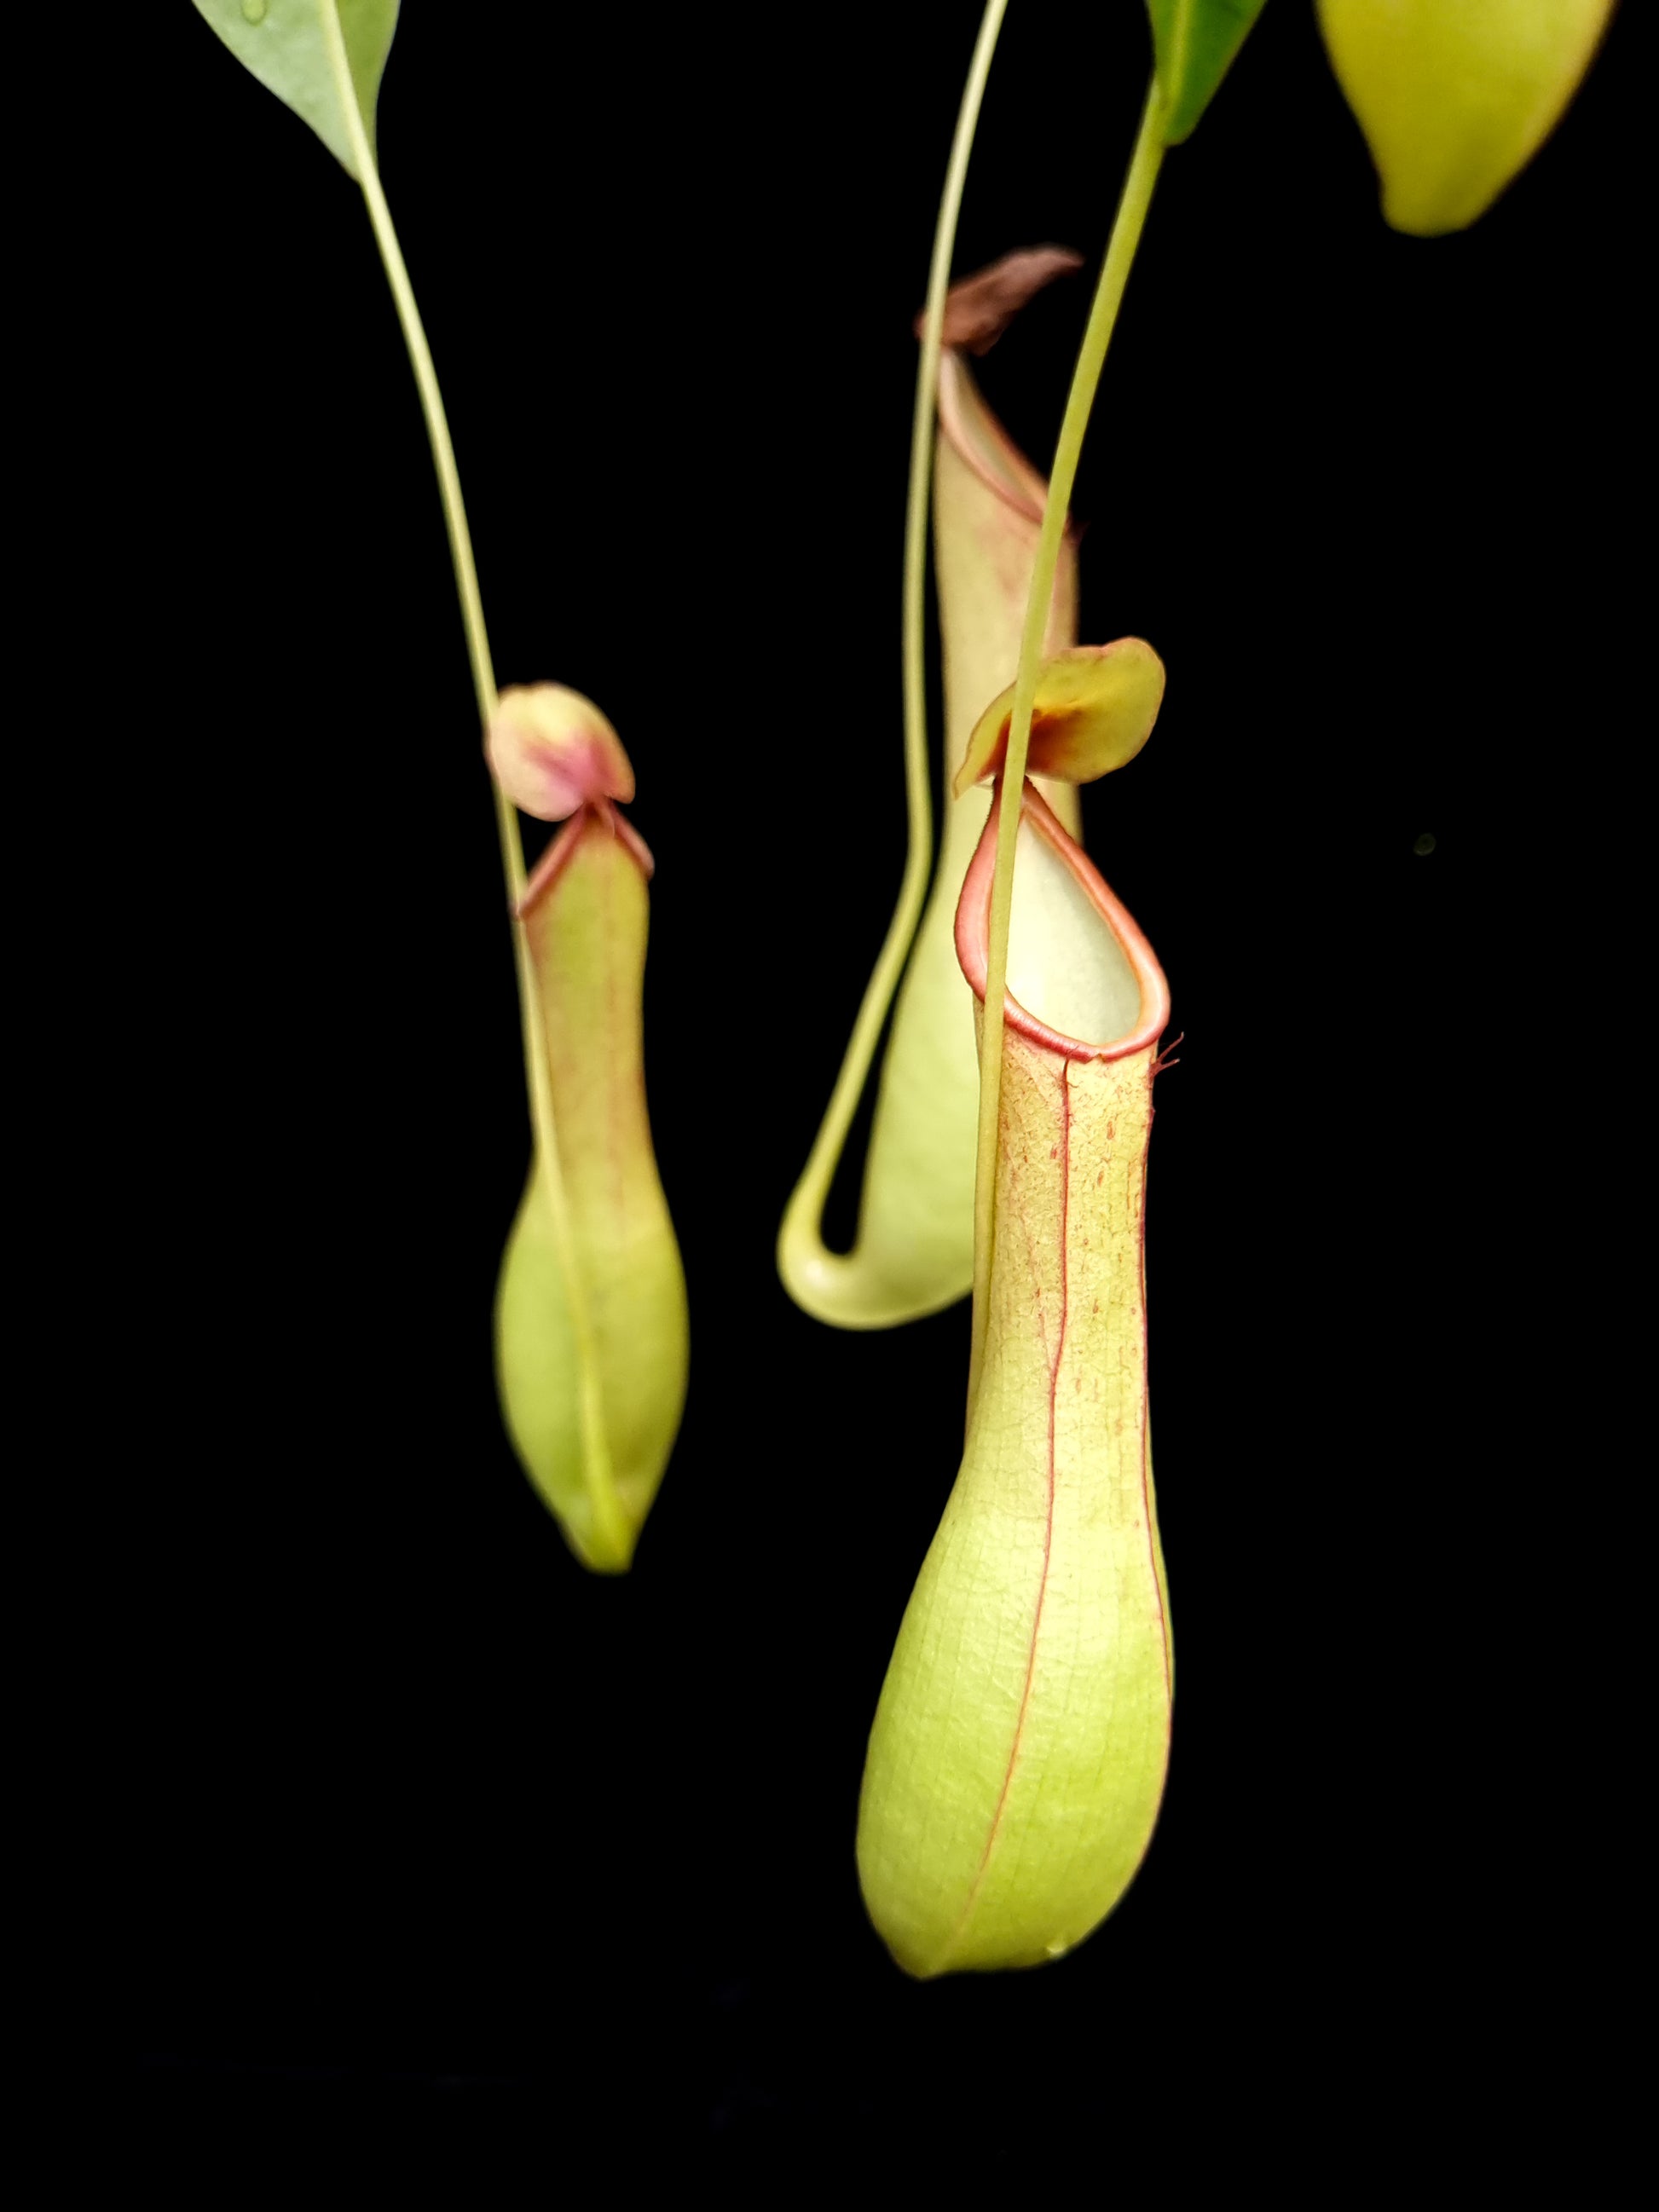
[(254, 11)]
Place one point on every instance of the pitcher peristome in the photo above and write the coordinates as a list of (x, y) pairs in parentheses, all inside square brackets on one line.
[(1018, 1752)]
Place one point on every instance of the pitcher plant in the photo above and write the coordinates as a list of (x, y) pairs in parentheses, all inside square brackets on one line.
[(591, 1326), (914, 1248), (1019, 1746)]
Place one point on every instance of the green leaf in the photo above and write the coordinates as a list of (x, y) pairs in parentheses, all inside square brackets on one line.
[(1194, 42), (283, 44)]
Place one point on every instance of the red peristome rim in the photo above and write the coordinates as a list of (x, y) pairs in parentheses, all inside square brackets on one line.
[(594, 815), (951, 411), (974, 926)]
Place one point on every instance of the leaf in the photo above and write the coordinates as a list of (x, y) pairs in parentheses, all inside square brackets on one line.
[(1018, 1756), (1194, 42), (1454, 101), (282, 43)]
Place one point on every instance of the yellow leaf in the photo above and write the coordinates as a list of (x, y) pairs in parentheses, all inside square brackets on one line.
[(1455, 96)]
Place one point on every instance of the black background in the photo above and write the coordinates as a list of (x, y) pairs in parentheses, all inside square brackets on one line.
[(419, 1814)]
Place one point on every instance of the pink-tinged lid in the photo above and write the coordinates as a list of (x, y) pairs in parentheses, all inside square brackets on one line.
[(551, 751)]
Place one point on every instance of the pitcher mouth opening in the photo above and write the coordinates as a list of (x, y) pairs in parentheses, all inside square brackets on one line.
[(595, 814), (980, 443), (1141, 980)]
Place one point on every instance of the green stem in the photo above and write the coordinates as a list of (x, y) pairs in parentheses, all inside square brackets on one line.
[(506, 821), (1131, 219), (802, 1217)]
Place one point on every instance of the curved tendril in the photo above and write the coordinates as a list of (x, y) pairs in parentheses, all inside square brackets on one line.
[(801, 1250), (1131, 217), (483, 684)]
